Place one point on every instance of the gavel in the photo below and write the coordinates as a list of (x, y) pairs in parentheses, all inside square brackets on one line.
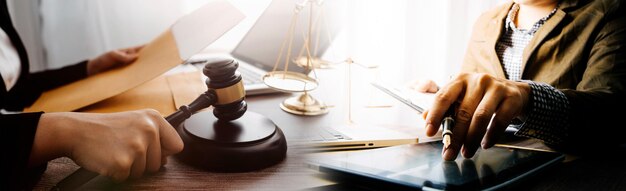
[(250, 143), (225, 93), (230, 139)]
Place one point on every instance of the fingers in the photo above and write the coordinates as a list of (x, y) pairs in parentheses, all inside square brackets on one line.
[(443, 99), (126, 55), (123, 57), (424, 86), (486, 101), (463, 120), (157, 140), (121, 168), (453, 150), (154, 157), (161, 141), (481, 118), (502, 119), (112, 59), (133, 50), (432, 87), (128, 144), (148, 150), (170, 141), (139, 164), (167, 142)]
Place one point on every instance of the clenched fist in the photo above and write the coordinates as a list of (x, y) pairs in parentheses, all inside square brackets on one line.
[(118, 145)]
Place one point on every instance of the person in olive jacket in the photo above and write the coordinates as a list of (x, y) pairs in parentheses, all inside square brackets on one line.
[(554, 70)]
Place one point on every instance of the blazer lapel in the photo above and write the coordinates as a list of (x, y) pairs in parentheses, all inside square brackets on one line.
[(493, 32), (541, 34)]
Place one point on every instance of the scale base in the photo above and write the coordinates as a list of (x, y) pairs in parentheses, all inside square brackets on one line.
[(249, 143), (304, 104)]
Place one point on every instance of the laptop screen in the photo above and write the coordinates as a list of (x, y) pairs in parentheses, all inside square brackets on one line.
[(262, 44)]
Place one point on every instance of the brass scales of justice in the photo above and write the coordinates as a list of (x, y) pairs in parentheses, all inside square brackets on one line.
[(296, 82)]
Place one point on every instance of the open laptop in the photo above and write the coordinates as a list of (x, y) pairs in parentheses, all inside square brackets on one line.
[(258, 50), (352, 137), (257, 53)]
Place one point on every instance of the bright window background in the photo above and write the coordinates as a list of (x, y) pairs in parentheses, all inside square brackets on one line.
[(76, 30), (412, 39), (408, 39)]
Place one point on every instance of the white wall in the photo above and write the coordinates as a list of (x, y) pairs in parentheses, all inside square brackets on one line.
[(412, 39), (25, 16), (76, 30), (409, 39)]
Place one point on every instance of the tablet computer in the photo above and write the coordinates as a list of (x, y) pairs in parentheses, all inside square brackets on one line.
[(420, 166)]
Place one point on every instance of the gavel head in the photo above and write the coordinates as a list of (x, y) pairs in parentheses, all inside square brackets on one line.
[(226, 82)]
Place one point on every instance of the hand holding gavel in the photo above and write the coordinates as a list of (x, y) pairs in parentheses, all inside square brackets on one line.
[(225, 92)]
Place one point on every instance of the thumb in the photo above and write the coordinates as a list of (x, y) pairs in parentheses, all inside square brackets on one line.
[(171, 143), (123, 57)]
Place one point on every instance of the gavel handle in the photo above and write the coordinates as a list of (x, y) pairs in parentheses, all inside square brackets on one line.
[(205, 100)]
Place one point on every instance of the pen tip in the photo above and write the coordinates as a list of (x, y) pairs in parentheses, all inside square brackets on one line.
[(446, 141)]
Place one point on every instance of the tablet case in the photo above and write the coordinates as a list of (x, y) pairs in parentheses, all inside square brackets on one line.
[(419, 166)]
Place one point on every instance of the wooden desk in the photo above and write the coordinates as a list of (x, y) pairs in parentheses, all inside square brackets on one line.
[(602, 173), (291, 174)]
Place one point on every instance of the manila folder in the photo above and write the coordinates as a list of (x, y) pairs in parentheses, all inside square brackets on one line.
[(188, 36)]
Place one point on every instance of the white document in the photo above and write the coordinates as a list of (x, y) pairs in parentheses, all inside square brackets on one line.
[(416, 100)]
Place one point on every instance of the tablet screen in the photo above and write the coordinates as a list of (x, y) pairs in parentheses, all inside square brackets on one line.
[(421, 165)]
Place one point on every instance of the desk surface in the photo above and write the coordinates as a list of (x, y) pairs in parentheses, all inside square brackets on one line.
[(292, 174)]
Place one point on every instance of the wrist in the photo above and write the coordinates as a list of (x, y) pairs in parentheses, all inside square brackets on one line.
[(91, 67), (525, 91), (52, 139)]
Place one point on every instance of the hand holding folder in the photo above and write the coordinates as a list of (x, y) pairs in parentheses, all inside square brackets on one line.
[(189, 35)]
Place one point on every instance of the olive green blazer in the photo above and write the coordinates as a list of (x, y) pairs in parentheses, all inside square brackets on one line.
[(580, 50)]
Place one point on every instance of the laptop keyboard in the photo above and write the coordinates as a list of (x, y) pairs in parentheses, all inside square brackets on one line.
[(250, 77), (328, 134)]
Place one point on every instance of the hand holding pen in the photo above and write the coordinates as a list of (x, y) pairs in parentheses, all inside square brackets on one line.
[(483, 107), (486, 106)]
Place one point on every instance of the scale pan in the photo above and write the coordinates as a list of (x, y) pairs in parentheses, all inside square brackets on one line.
[(316, 63), (289, 81)]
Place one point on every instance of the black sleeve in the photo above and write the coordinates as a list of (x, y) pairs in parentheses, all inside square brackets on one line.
[(17, 135), (26, 93), (50, 79), (17, 131)]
